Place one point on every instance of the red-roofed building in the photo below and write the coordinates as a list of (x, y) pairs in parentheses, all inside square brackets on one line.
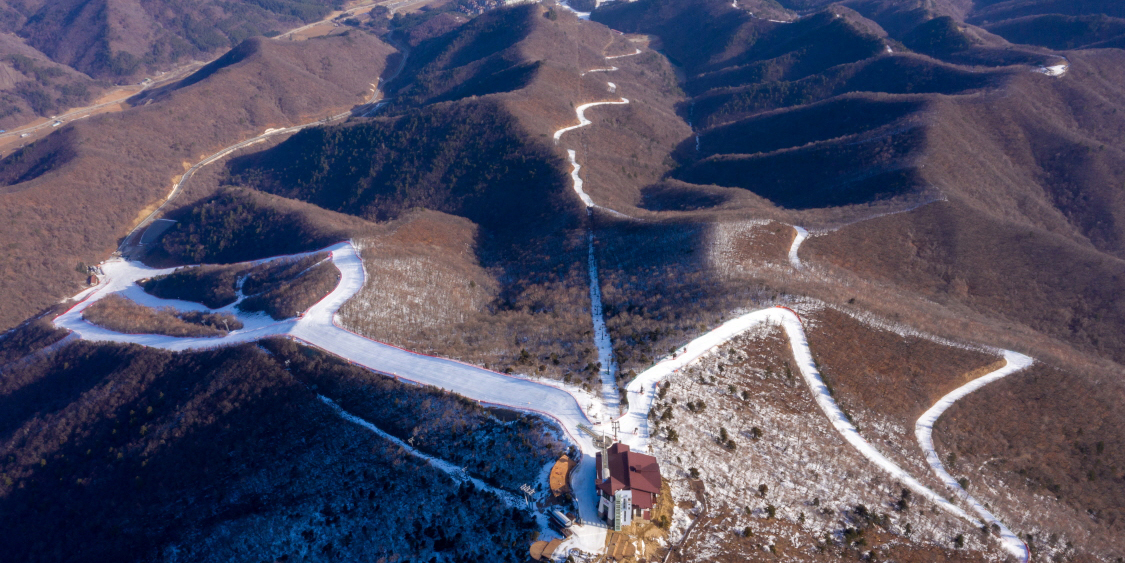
[(627, 484)]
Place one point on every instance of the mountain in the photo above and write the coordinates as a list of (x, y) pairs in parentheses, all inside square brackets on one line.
[(70, 197), (851, 272), (116, 40)]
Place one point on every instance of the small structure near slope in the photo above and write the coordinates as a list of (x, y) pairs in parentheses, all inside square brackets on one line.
[(559, 478)]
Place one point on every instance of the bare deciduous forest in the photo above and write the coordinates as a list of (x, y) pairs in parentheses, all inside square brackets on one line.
[(122, 315)]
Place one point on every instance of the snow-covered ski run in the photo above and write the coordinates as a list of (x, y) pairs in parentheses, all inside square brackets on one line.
[(798, 238), (608, 367), (581, 111), (319, 328), (607, 371), (642, 390), (924, 430)]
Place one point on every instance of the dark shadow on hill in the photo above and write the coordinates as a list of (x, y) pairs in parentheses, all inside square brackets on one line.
[(239, 53), (672, 195), (840, 117), (464, 158), (480, 57), (1061, 32), (892, 74), (236, 225), (173, 447), (37, 159), (659, 289)]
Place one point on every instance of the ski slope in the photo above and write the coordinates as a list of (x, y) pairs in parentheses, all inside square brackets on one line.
[(581, 111), (642, 392), (319, 327), (799, 238), (924, 429)]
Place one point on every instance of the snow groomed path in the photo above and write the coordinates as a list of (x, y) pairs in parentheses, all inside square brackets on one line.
[(319, 328), (643, 388), (798, 238), (607, 371), (634, 424), (924, 430)]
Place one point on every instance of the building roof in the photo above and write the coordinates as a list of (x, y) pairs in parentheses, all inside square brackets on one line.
[(537, 549), (558, 477), (631, 470)]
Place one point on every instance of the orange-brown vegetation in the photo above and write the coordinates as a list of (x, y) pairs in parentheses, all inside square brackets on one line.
[(123, 315), (32, 85), (75, 208), (1046, 449), (136, 37), (428, 291), (884, 381), (952, 253), (289, 294), (878, 371)]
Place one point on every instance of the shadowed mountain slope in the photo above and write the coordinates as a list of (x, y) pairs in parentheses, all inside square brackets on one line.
[(222, 453)]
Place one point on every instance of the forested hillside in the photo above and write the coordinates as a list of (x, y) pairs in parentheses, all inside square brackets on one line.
[(72, 195), (852, 271), (118, 40), (135, 454)]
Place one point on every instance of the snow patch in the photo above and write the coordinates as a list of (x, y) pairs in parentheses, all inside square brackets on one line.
[(799, 238), (1054, 70), (581, 112)]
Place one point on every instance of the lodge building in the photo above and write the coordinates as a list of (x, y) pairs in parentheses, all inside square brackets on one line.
[(627, 485)]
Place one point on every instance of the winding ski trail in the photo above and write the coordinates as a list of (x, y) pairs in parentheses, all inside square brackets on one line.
[(924, 429), (607, 366), (319, 327), (798, 238), (581, 111)]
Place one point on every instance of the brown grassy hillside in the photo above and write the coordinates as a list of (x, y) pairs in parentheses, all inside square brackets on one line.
[(32, 85), (485, 155), (1051, 440), (949, 252), (121, 164), (119, 40)]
